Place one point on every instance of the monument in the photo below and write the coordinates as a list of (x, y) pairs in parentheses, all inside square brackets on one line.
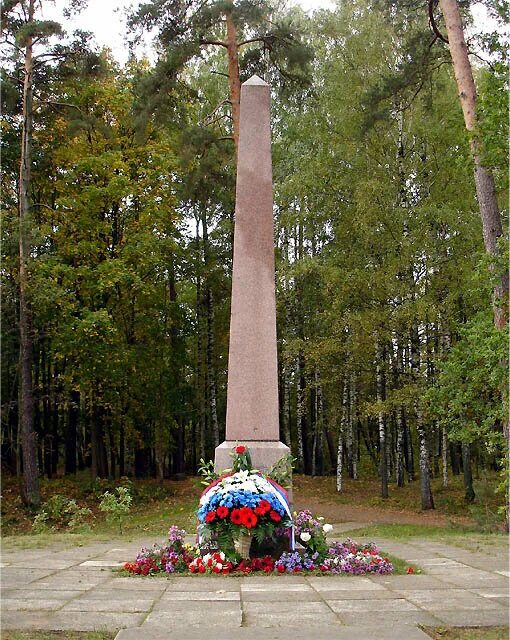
[(252, 387)]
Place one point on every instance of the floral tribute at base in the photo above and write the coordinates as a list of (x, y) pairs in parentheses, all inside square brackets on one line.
[(244, 506)]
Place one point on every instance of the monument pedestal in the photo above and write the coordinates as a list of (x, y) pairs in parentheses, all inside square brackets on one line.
[(263, 454)]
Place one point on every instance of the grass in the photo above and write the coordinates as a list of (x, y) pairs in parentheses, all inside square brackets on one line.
[(58, 635), (464, 537), (158, 505), (455, 633), (155, 507)]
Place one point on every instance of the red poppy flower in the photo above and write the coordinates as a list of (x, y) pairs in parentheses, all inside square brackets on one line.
[(410, 570), (222, 512), (235, 516), (240, 448), (275, 517), (210, 517), (201, 569), (248, 518), (280, 568)]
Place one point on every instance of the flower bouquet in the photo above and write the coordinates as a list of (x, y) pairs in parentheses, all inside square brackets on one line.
[(240, 506)]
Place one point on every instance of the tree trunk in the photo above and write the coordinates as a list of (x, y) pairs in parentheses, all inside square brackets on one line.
[(484, 180), (444, 455), (199, 366), (400, 447), (73, 414), (427, 501), (98, 449), (341, 436), (234, 81), (381, 421), (349, 436), (122, 452), (299, 414), (30, 488), (469, 492), (286, 406)]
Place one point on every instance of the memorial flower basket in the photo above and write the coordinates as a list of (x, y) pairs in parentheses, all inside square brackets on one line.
[(241, 506)]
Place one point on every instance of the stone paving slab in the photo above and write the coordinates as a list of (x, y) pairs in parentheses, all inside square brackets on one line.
[(396, 632), (371, 606), (76, 589), (415, 581), (188, 617), (30, 594), (464, 618), (133, 605), (390, 620), (216, 596), (348, 583), (34, 604)]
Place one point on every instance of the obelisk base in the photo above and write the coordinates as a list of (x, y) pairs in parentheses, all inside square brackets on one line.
[(263, 454)]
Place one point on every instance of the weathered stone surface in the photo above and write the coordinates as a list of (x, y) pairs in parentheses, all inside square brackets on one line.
[(473, 618), (252, 397), (31, 604), (285, 607), (119, 605), (330, 632), (347, 583), (170, 597), (375, 605), (252, 390)]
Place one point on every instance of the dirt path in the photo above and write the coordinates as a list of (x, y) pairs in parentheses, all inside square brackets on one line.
[(334, 512)]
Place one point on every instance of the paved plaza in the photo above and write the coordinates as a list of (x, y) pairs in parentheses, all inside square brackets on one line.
[(75, 588)]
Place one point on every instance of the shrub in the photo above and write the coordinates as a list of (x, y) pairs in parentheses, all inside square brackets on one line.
[(116, 505), (60, 512)]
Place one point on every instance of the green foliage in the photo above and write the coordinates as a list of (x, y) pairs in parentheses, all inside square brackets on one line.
[(206, 470), (281, 470), (467, 395), (241, 459), (60, 512), (116, 505)]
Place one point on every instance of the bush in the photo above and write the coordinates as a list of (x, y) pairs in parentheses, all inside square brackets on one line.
[(60, 512), (116, 505)]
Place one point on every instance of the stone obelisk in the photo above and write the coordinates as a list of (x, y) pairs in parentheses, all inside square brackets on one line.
[(252, 389)]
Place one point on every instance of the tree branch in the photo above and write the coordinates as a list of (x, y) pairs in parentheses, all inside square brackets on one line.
[(52, 103), (219, 73), (431, 6), (209, 117), (259, 39), (217, 43)]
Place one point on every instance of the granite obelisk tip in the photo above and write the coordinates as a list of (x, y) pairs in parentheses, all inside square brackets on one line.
[(255, 80)]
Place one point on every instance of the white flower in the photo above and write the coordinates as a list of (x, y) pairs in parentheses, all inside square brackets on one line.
[(305, 536), (222, 556), (327, 528), (219, 565)]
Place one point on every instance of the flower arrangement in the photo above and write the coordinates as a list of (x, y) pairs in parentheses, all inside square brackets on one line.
[(211, 563), (172, 558), (311, 532), (241, 505), (351, 558), (341, 558)]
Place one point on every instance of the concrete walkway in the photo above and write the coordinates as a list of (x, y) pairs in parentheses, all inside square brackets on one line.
[(76, 589)]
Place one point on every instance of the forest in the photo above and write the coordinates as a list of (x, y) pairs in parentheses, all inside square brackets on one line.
[(118, 195)]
